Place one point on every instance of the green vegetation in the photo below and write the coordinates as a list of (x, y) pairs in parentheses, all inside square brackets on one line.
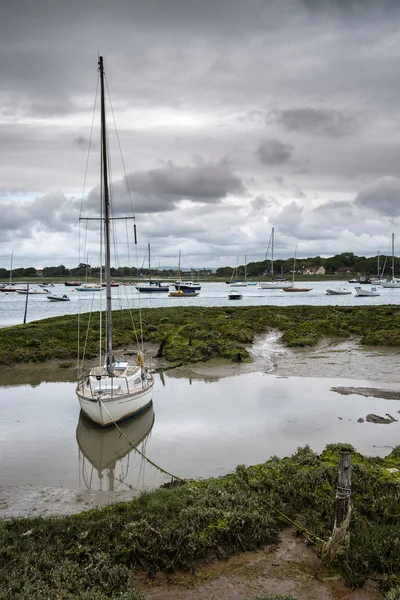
[(190, 335), (255, 270), (95, 554)]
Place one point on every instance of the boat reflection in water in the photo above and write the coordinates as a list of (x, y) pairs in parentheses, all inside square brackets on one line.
[(105, 452)]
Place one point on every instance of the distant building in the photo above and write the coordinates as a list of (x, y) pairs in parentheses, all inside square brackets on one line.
[(314, 270), (39, 272)]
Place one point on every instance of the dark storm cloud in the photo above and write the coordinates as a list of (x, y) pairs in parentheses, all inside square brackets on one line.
[(160, 189), (315, 121), (382, 196), (274, 152)]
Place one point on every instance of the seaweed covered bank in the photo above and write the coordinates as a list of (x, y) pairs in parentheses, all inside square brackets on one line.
[(106, 553)]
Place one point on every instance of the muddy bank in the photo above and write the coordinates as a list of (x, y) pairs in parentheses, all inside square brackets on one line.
[(333, 358), (289, 568)]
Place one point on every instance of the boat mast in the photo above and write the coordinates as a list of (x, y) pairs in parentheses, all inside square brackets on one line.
[(294, 263), (109, 352), (179, 271), (392, 256), (378, 265), (11, 265), (148, 247), (272, 253)]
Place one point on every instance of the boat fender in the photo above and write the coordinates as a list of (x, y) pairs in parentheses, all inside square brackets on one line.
[(139, 359)]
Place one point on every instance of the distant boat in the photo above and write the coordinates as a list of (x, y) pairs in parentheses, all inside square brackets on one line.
[(275, 283), (89, 287), (292, 288), (393, 283), (151, 286), (182, 293), (239, 282), (187, 286), (234, 295), (339, 291), (32, 292), (55, 298), (363, 292), (72, 283)]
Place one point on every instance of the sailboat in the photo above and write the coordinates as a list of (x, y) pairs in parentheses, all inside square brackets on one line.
[(238, 282), (292, 288), (152, 286), (273, 284), (9, 287), (179, 292), (393, 283), (115, 389)]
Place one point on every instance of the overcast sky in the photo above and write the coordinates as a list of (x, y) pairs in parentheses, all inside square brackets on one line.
[(233, 117)]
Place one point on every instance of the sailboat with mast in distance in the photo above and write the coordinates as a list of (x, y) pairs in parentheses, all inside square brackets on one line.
[(393, 283), (115, 389), (293, 288), (273, 284), (152, 286), (179, 292)]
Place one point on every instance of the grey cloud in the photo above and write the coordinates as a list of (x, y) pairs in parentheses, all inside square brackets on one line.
[(274, 152), (315, 121), (160, 189), (381, 196), (260, 203)]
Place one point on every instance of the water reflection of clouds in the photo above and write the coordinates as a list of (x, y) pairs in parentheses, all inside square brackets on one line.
[(201, 429)]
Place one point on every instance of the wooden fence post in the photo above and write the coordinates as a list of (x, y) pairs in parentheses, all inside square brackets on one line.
[(339, 541)]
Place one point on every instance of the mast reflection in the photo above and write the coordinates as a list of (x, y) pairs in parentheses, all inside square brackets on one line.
[(106, 453)]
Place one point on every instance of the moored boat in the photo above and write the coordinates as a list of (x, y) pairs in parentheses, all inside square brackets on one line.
[(55, 298), (364, 292), (115, 389), (339, 291), (89, 287), (234, 295)]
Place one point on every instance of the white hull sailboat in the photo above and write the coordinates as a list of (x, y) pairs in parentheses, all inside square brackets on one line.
[(114, 390), (393, 283)]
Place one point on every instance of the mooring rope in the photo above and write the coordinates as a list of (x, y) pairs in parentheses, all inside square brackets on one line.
[(139, 451)]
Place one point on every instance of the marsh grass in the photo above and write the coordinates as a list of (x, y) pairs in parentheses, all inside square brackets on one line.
[(191, 335), (95, 554)]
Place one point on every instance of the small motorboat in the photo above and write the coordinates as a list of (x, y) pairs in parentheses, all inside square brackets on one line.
[(340, 291), (363, 292), (234, 295), (55, 298)]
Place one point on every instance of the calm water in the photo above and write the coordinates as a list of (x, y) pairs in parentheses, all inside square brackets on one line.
[(12, 306), (198, 429)]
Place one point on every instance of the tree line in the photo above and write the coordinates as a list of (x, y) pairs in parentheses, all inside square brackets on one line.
[(360, 265)]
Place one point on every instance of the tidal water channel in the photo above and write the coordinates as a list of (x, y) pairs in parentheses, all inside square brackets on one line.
[(197, 428)]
